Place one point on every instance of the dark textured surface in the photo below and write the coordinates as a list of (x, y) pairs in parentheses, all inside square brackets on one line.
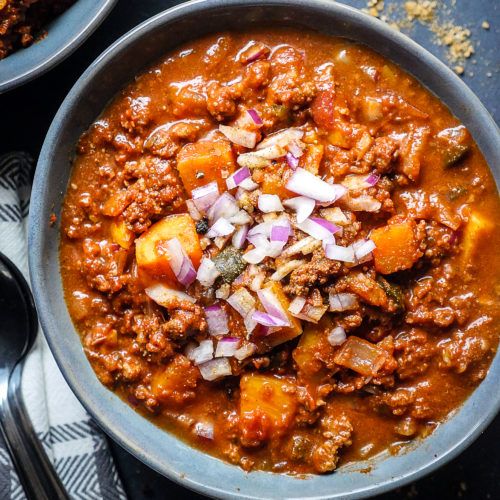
[(27, 112)]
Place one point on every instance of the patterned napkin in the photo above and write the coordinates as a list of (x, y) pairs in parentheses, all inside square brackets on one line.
[(76, 447)]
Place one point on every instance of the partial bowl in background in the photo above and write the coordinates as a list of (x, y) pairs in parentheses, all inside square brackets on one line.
[(64, 35), (104, 78)]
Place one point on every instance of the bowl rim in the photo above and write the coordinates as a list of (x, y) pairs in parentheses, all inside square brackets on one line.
[(48, 60), (491, 138)]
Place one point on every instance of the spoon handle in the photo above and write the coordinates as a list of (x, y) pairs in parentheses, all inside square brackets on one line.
[(35, 471)]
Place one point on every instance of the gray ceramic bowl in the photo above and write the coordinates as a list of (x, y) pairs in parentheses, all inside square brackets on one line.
[(65, 33), (157, 448)]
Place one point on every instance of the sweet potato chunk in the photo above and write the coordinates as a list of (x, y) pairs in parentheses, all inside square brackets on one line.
[(286, 333), (267, 407), (176, 382), (121, 234), (274, 180), (397, 247), (311, 160), (314, 350), (478, 226), (199, 163), (361, 356), (149, 250)]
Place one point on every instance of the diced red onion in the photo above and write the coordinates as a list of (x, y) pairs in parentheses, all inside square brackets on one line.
[(193, 210), (190, 347), (311, 313), (342, 301), (239, 136), (275, 248), (317, 229), (336, 336), (244, 303), (372, 179), (225, 206), (204, 430), (205, 196), (257, 54), (342, 254), (239, 237), (257, 281), (294, 148), (163, 295), (216, 320), (268, 320), (296, 305), (302, 205), (255, 117), (292, 161), (245, 351), (362, 249), (282, 138), (221, 227), (227, 346), (207, 272), (215, 368), (204, 352), (248, 185), (304, 183), (280, 232), (180, 262), (238, 177), (241, 218), (269, 203), (272, 305), (262, 228), (258, 240), (329, 226), (255, 256)]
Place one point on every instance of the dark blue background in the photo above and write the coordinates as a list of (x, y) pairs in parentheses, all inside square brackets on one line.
[(26, 113)]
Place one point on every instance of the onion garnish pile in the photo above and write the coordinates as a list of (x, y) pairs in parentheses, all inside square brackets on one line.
[(274, 234)]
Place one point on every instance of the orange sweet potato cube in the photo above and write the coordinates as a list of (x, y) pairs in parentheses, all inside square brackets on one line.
[(150, 251), (274, 181), (175, 383), (267, 406), (121, 234), (289, 332), (478, 227), (199, 163), (397, 247)]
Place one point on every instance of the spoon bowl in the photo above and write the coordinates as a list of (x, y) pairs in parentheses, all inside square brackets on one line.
[(19, 326), (17, 316)]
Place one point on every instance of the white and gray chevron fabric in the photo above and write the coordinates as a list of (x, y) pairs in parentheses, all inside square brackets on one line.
[(77, 448)]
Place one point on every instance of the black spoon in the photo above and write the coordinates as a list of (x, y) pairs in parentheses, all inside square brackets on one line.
[(18, 329)]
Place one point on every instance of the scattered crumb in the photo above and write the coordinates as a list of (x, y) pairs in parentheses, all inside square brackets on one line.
[(489, 74), (422, 10), (437, 17), (456, 38), (52, 219), (485, 25)]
